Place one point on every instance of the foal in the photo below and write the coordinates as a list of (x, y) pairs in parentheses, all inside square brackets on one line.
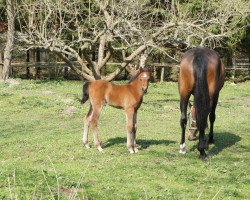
[(128, 97)]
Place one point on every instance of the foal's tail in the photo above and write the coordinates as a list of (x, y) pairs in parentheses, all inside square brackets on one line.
[(201, 96), (85, 91)]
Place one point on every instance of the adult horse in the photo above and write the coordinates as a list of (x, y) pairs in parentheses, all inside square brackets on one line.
[(128, 97), (201, 74)]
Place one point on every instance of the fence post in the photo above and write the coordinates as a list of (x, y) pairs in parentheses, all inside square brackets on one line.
[(38, 59), (27, 62), (234, 66), (162, 74)]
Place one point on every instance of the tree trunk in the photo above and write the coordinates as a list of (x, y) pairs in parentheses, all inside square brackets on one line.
[(10, 41), (1, 65)]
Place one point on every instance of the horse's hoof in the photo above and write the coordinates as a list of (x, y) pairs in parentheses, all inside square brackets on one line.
[(192, 138), (203, 156), (87, 146), (99, 148), (136, 150), (182, 148), (211, 141), (131, 150)]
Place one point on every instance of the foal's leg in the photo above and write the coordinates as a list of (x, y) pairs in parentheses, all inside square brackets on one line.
[(183, 122), (130, 127), (86, 127), (134, 132), (212, 117), (94, 120)]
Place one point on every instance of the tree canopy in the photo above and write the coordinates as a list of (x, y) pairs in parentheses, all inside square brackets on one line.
[(124, 30)]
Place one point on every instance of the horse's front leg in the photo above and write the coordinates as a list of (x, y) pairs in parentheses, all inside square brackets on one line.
[(134, 132), (130, 130)]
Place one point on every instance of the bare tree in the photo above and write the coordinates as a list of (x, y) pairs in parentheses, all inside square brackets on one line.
[(6, 70), (124, 30)]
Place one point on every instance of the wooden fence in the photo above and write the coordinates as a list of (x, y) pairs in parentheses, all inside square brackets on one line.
[(158, 72)]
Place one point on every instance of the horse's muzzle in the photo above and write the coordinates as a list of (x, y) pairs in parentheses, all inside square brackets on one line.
[(145, 90)]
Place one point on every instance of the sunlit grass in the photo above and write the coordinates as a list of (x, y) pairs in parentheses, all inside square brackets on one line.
[(42, 155)]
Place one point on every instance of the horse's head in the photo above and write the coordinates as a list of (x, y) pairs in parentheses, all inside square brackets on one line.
[(144, 78)]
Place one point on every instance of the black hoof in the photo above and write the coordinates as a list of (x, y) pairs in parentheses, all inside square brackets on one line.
[(211, 141), (203, 156)]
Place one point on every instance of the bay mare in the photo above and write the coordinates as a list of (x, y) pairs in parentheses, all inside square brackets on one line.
[(127, 97), (201, 74)]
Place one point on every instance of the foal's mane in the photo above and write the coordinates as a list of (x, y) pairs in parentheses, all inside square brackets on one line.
[(137, 74)]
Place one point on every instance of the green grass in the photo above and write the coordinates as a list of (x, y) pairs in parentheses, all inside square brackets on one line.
[(41, 153)]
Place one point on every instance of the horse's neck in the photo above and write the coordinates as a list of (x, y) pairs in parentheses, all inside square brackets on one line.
[(136, 87)]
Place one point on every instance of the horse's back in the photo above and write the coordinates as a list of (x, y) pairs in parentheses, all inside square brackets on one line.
[(97, 90), (102, 92), (214, 70)]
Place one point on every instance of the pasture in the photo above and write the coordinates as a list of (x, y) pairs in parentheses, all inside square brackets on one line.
[(42, 156)]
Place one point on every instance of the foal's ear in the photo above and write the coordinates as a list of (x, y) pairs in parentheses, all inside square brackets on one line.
[(141, 69), (150, 68)]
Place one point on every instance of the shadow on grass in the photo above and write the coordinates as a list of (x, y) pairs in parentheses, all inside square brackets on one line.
[(143, 143), (223, 140), (160, 101)]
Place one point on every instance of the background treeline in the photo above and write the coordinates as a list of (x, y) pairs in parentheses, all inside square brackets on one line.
[(110, 39)]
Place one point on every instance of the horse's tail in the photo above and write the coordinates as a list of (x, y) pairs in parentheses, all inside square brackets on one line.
[(85, 91), (201, 96)]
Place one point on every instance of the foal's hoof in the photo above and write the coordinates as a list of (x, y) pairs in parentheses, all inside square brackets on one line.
[(87, 146), (136, 150), (99, 148), (131, 150)]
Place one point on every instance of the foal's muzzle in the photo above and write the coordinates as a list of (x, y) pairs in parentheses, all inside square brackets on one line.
[(144, 90)]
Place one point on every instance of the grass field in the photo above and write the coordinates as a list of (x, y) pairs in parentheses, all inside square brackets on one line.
[(42, 157)]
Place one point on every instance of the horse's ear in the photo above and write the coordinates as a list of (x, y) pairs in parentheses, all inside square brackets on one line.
[(150, 68)]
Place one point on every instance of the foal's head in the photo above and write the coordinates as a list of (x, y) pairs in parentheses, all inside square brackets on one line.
[(143, 78)]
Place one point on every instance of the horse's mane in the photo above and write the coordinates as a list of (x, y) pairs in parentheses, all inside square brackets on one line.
[(137, 74)]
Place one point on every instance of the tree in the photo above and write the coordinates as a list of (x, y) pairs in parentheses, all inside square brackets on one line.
[(94, 32), (6, 70)]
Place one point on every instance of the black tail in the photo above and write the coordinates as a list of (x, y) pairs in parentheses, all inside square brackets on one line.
[(85, 91), (201, 96)]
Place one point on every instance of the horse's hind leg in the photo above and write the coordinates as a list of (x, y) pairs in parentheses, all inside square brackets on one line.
[(212, 117), (183, 122), (94, 120), (86, 127)]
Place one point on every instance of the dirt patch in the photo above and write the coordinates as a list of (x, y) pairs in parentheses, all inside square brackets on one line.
[(47, 92), (68, 101), (12, 82), (70, 110)]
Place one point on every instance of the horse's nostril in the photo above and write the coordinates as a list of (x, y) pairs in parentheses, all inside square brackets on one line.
[(144, 90)]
